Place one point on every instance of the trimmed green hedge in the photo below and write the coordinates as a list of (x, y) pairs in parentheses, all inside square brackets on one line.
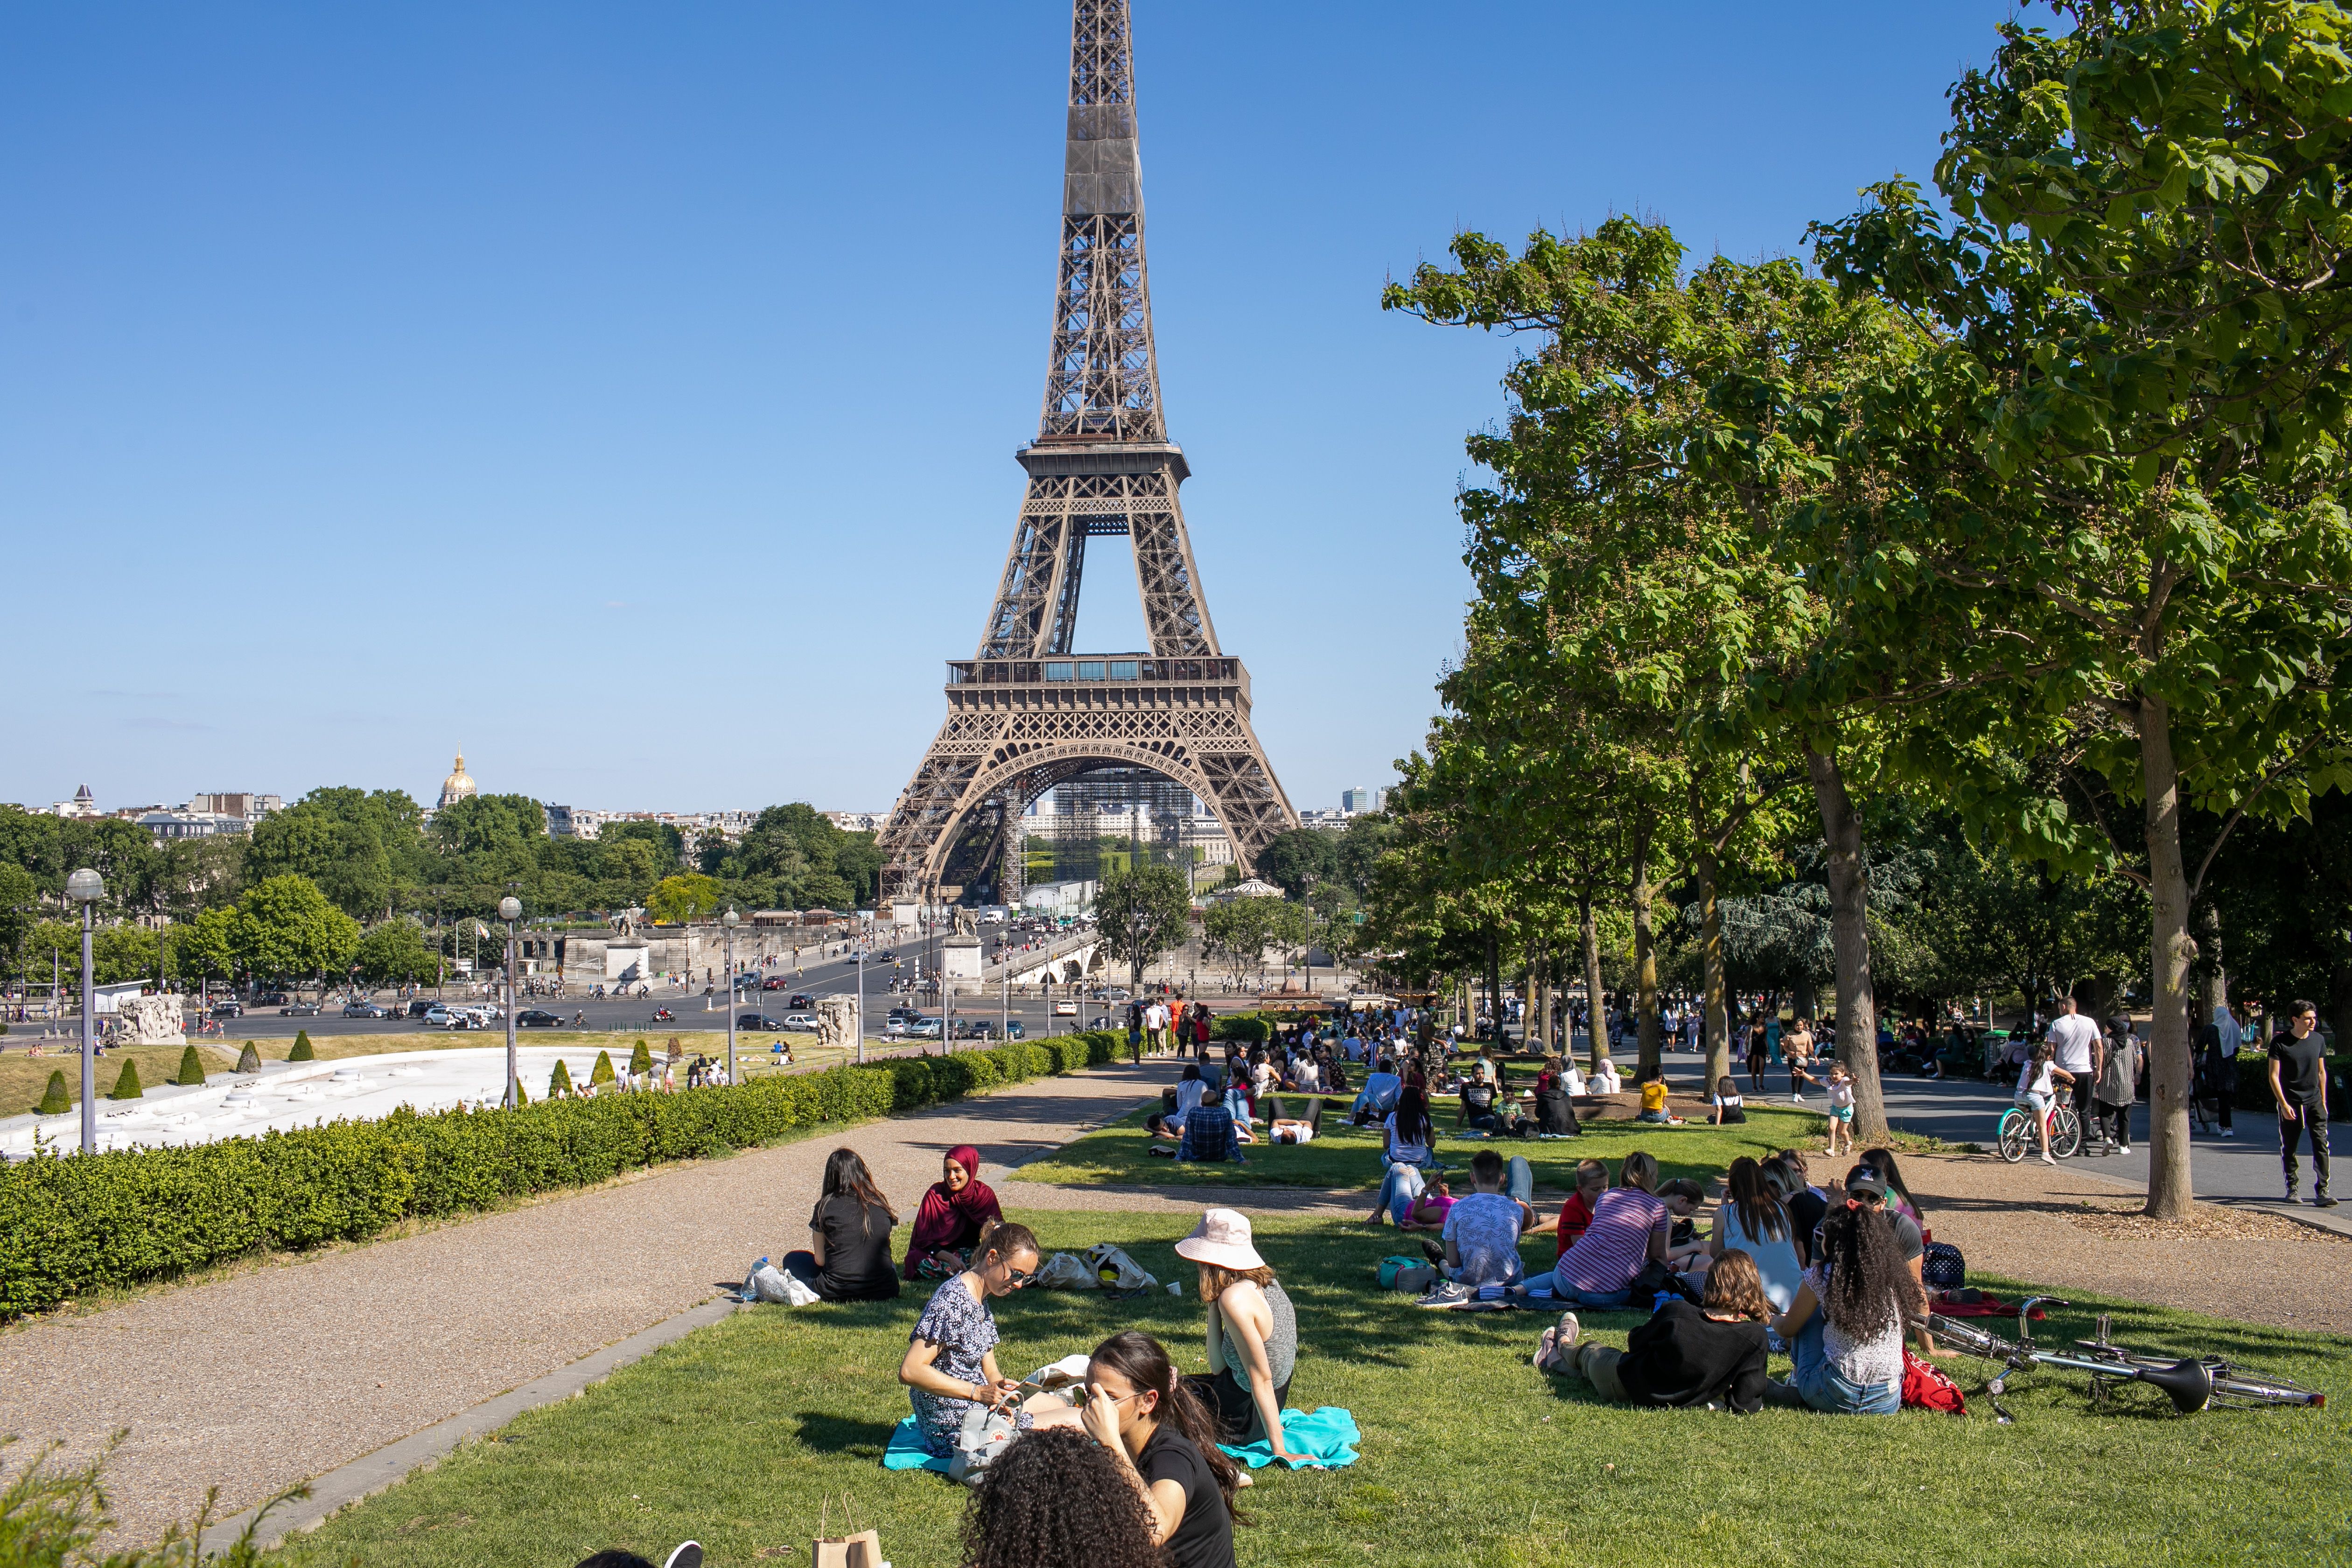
[(71, 1224), (1247, 1028)]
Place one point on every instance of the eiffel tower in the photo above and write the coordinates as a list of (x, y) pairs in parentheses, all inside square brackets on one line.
[(1025, 713)]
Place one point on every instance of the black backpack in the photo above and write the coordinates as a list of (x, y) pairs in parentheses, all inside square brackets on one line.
[(1941, 1266)]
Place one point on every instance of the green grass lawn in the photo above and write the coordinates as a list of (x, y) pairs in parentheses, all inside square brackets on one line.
[(1345, 1156), (743, 1435)]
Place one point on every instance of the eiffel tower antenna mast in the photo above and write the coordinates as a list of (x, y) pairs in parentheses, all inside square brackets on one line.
[(1026, 712)]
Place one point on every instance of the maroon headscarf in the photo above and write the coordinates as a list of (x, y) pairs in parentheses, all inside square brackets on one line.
[(952, 1221)]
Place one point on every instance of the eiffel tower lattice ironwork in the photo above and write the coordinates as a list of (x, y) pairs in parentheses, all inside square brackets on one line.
[(1026, 713)]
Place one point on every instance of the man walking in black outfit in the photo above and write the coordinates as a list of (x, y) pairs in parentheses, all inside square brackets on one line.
[(2299, 1084)]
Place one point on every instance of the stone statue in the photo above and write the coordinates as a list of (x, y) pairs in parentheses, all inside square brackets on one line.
[(150, 1021), (836, 1022), (967, 924)]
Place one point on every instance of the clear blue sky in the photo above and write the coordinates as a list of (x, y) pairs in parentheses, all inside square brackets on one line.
[(628, 394)]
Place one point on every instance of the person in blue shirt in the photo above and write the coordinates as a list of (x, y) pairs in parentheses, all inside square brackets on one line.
[(1379, 1096)]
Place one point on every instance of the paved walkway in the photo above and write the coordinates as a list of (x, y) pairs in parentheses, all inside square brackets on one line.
[(263, 1379)]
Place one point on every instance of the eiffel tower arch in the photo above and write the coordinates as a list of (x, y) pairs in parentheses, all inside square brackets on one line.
[(1026, 712)]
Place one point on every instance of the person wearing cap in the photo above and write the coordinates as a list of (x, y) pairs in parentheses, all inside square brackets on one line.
[(1252, 1332)]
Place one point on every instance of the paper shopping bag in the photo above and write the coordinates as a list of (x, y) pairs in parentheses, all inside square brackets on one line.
[(860, 1550)]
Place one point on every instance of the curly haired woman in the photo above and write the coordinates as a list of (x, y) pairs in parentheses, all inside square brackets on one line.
[(1845, 1328), (1057, 1499)]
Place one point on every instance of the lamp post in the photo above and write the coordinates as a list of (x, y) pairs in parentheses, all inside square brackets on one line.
[(85, 888), (730, 919), (859, 1026), (510, 910)]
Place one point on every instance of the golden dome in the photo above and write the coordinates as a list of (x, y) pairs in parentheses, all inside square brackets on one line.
[(458, 786)]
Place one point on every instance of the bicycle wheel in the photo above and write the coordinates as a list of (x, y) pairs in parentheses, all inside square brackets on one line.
[(2065, 1133), (2016, 1132)]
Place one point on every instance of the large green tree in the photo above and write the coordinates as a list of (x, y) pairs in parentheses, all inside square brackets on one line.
[(286, 928), (1141, 913), (2104, 516)]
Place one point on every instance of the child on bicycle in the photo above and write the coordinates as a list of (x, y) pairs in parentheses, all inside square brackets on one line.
[(2037, 1092), (1841, 1088)]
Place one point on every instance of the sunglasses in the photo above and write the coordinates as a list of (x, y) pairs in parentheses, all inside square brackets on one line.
[(1019, 1277)]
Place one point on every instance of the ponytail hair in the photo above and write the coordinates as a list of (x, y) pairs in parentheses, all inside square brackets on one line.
[(1005, 1239), (1143, 1362)]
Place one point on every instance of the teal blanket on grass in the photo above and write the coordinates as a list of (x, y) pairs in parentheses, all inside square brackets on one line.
[(1327, 1438), (906, 1452)]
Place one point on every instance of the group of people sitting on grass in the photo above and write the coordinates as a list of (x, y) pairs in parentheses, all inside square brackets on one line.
[(1127, 1462), (848, 1255)]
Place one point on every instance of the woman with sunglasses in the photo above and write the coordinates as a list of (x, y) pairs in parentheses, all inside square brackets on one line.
[(950, 1362), (1166, 1440)]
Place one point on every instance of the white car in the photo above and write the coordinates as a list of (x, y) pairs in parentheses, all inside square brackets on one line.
[(801, 1023), (1065, 1008)]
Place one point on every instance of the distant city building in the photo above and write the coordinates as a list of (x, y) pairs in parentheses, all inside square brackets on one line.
[(1352, 801), (1324, 819), (458, 786), (558, 821), (83, 803), (861, 821)]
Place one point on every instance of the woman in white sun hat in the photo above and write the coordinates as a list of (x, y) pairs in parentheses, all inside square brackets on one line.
[(1252, 1332)]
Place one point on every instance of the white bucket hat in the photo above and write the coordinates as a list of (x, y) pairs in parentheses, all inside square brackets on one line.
[(1222, 1240)]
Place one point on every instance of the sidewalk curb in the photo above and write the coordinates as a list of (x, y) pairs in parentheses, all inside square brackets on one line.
[(376, 1472)]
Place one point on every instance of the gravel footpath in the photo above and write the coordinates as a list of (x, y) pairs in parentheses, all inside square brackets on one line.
[(261, 1379), (2067, 1231)]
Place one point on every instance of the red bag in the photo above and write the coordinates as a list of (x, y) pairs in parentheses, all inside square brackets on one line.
[(1925, 1388)]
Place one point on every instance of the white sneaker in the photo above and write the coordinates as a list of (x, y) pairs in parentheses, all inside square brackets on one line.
[(2229, 1132), (2046, 1159), (2123, 1148), (1796, 1100)]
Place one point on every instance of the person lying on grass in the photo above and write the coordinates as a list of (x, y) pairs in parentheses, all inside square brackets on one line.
[(1628, 1231), (1156, 1427), (951, 1361), (1710, 1357), (1429, 1210), (1252, 1331), (1057, 1498), (1169, 1126), (1844, 1330)]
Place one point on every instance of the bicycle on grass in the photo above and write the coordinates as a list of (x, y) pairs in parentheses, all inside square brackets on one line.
[(2015, 1138), (2191, 1383)]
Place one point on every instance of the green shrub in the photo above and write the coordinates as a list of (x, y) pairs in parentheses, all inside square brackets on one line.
[(250, 1059), (2255, 1084), (126, 1216), (127, 1087), (301, 1051), (57, 1100), (641, 1060), (522, 1095), (602, 1071), (192, 1069), (1247, 1028), (559, 1082)]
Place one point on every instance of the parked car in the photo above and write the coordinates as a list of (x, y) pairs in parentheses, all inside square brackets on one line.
[(975, 1029), (758, 1021), (302, 1009), (537, 1018), (228, 1010), (904, 1015), (800, 999), (421, 1006), (365, 1010), (1014, 1029), (926, 1029), (801, 1023)]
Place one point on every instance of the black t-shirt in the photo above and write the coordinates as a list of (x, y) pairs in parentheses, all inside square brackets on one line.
[(2301, 1063), (1204, 1536), (1806, 1211), (858, 1265), (1681, 1356)]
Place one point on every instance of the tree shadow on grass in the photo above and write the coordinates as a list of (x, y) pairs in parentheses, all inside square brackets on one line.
[(830, 1434)]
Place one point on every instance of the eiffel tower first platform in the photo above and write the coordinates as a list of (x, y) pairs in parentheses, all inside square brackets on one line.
[(1025, 713)]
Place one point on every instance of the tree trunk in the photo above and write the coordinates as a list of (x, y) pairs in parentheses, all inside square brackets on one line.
[(1544, 1031), (1645, 959), (2170, 955), (1857, 1004), (1596, 1011), (1710, 944), (2213, 981), (1495, 981)]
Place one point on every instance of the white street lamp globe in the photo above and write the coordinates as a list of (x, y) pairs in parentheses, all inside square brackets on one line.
[(730, 918), (84, 887), (510, 909)]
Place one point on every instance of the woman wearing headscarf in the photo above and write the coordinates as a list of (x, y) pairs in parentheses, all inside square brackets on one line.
[(956, 1212)]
